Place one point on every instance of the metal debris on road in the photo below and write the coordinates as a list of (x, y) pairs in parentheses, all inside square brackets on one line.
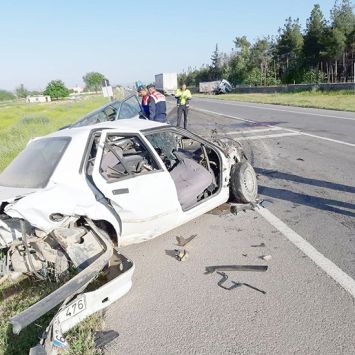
[(181, 241), (181, 254), (224, 279), (256, 268), (261, 245), (234, 284)]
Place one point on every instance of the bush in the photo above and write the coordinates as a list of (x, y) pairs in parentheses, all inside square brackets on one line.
[(313, 76), (6, 95), (56, 90)]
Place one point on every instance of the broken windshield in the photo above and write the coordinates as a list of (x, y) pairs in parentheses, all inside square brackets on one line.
[(33, 167)]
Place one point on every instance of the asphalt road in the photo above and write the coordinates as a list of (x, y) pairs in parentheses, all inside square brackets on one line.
[(305, 163)]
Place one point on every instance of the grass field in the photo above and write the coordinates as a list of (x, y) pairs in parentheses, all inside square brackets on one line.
[(18, 123), (338, 100), (19, 296)]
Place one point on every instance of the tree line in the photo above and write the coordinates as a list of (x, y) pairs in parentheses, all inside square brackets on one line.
[(322, 52), (56, 89)]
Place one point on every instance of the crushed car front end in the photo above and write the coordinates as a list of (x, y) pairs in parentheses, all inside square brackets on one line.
[(54, 227)]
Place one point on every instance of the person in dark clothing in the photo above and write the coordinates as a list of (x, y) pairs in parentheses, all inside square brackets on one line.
[(143, 93), (183, 97), (157, 105)]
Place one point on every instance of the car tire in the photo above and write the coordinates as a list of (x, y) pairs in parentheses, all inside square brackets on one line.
[(243, 183)]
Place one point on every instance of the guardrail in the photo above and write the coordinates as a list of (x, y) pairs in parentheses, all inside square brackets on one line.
[(247, 89)]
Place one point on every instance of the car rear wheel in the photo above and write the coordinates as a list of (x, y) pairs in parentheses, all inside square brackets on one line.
[(243, 183)]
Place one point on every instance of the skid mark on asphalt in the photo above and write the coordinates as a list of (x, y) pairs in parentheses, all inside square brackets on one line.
[(338, 275), (286, 129)]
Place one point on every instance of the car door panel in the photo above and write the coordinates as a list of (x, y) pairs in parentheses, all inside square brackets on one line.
[(146, 203)]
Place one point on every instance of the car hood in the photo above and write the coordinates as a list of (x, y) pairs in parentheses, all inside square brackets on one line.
[(10, 194)]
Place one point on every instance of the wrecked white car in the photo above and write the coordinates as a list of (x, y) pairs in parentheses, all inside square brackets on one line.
[(71, 199)]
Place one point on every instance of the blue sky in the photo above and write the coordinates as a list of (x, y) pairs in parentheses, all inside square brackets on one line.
[(128, 40)]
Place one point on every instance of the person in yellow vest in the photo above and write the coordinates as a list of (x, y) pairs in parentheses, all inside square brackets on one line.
[(183, 97)]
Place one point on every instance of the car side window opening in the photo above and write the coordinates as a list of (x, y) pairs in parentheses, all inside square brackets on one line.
[(130, 108), (125, 156), (193, 166)]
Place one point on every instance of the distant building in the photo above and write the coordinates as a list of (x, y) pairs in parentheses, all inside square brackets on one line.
[(77, 90), (38, 98)]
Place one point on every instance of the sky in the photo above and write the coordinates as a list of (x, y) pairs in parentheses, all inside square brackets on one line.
[(128, 40)]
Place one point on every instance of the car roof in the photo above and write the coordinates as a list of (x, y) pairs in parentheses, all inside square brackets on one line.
[(133, 125)]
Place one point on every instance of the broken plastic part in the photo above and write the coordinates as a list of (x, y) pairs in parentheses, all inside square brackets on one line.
[(181, 241)]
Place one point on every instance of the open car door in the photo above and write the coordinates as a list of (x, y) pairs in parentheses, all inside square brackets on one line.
[(139, 188)]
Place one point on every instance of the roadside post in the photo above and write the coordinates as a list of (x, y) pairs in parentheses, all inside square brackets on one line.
[(107, 89)]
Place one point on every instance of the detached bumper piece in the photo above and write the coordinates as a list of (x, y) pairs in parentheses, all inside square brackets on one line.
[(77, 305)]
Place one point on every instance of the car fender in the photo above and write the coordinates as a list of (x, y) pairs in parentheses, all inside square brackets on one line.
[(64, 200)]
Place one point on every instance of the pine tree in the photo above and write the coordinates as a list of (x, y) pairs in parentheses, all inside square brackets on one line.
[(215, 64), (315, 30)]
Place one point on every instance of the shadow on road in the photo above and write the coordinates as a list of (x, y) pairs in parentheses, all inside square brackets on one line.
[(321, 203), (312, 201), (304, 180)]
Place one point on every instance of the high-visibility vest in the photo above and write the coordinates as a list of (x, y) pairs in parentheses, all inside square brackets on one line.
[(182, 96)]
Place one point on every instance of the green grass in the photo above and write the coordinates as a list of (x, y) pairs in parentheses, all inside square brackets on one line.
[(334, 100), (16, 297), (20, 121)]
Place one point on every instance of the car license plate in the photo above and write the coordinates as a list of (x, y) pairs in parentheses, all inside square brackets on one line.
[(74, 308)]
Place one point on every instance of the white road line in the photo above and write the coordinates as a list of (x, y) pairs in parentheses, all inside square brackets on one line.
[(321, 137), (280, 109), (268, 136), (223, 115), (247, 131), (286, 129), (338, 275)]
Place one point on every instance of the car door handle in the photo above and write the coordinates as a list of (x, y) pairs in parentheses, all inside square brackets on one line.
[(120, 191)]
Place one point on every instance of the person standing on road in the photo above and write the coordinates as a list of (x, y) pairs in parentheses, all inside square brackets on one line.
[(183, 97), (157, 105), (143, 93)]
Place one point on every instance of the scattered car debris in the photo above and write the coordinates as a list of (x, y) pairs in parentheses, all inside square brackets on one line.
[(265, 203), (256, 268), (234, 284), (181, 241), (181, 254), (221, 210), (224, 278), (265, 257), (254, 288), (261, 245), (235, 208)]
